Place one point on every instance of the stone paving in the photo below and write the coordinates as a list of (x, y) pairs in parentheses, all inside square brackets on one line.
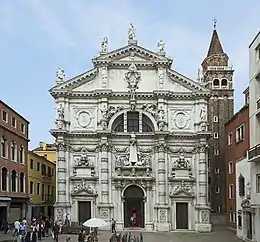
[(219, 235)]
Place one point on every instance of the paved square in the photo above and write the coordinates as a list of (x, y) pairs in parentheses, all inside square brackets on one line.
[(217, 236)]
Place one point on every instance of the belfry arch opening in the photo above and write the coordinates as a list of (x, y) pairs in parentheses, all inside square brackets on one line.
[(135, 122), (134, 207)]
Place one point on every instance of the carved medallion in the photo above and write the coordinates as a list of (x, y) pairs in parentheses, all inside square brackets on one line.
[(84, 119), (181, 120)]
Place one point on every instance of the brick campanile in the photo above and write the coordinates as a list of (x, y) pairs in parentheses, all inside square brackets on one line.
[(218, 77)]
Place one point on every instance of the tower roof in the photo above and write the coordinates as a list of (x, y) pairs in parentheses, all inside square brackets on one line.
[(215, 47)]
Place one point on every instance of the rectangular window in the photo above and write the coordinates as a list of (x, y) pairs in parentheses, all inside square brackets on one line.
[(231, 217), (240, 133), (49, 172), (230, 167), (216, 152), (14, 122), (215, 119), (38, 166), (216, 170), (230, 139), (43, 191), (31, 164), (22, 128), (217, 190), (258, 183), (218, 209), (230, 191), (31, 187), (4, 148), (4, 116), (215, 135), (43, 170), (38, 189)]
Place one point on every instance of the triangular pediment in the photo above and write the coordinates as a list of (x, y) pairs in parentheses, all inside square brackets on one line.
[(185, 83), (139, 53), (81, 79), (83, 192)]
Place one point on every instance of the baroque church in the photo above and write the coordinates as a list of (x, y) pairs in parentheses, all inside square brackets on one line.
[(132, 141)]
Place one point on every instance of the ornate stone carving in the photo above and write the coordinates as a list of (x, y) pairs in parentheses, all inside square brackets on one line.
[(83, 161), (104, 213), (84, 187), (204, 216), (161, 46), (246, 203), (160, 76), (60, 213), (84, 148), (84, 119), (163, 215), (182, 188), (181, 163), (203, 114), (104, 45), (60, 75), (248, 190), (104, 76), (132, 77), (150, 108), (60, 112), (161, 119), (131, 34), (60, 146), (108, 112), (181, 120)]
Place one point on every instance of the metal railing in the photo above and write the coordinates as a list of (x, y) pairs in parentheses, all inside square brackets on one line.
[(254, 152)]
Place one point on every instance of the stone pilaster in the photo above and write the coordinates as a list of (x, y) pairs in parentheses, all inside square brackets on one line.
[(161, 174), (61, 204), (203, 210)]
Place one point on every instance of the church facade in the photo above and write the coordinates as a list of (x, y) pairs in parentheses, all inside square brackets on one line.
[(132, 141)]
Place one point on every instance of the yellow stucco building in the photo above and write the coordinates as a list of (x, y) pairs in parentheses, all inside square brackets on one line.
[(46, 150), (41, 185)]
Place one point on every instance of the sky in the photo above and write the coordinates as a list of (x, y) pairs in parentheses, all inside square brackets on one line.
[(38, 36)]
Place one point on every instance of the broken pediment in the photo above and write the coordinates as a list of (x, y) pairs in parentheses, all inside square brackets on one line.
[(182, 190), (83, 190)]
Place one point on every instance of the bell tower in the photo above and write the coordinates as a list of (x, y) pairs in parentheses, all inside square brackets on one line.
[(218, 77)]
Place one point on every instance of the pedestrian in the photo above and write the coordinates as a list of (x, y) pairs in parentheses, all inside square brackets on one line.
[(31, 235), (82, 236), (56, 230), (16, 227), (113, 225)]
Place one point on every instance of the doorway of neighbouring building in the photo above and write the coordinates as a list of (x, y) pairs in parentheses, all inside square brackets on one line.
[(182, 216), (3, 213), (134, 207), (84, 211)]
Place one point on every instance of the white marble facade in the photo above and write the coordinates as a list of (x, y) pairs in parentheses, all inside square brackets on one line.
[(132, 122)]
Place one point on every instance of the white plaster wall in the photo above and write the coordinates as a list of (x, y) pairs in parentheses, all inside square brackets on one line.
[(243, 168)]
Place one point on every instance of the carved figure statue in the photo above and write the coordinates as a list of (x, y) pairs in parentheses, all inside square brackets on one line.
[(248, 190), (160, 115), (60, 112), (200, 75), (203, 114), (60, 75), (161, 46), (150, 108), (104, 45), (118, 160), (131, 33), (181, 162), (59, 124), (133, 157)]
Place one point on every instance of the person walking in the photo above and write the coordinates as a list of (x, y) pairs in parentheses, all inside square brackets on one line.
[(56, 230), (113, 225), (16, 227), (31, 235)]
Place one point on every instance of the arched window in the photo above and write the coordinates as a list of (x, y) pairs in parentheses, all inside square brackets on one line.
[(13, 181), (224, 83), (21, 155), (4, 179), (216, 83), (3, 147), (21, 182), (134, 119), (241, 185), (13, 151)]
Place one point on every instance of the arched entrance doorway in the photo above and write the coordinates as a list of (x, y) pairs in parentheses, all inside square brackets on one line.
[(134, 206)]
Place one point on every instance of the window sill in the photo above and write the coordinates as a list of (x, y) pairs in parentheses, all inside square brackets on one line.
[(3, 157)]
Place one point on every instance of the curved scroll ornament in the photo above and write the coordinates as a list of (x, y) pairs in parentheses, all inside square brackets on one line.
[(181, 120)]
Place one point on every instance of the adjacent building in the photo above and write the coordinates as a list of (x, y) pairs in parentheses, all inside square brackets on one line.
[(46, 150), (41, 186), (13, 149), (237, 144), (252, 205), (132, 139), (218, 78)]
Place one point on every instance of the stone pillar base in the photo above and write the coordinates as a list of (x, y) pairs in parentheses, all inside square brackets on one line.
[(119, 226), (60, 209), (149, 226), (162, 227), (203, 228)]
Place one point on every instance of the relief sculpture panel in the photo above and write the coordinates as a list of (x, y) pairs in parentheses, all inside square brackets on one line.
[(181, 120)]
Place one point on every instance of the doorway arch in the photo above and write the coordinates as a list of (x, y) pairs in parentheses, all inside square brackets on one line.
[(134, 206)]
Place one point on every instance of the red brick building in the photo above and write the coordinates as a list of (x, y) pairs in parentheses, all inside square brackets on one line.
[(237, 144), (13, 164)]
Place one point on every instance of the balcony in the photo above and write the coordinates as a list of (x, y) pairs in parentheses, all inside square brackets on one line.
[(254, 154), (47, 176), (47, 198)]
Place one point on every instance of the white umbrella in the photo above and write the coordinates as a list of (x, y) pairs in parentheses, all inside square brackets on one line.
[(95, 223), (66, 214)]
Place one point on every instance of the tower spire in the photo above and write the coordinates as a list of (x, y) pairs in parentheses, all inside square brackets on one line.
[(215, 47)]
